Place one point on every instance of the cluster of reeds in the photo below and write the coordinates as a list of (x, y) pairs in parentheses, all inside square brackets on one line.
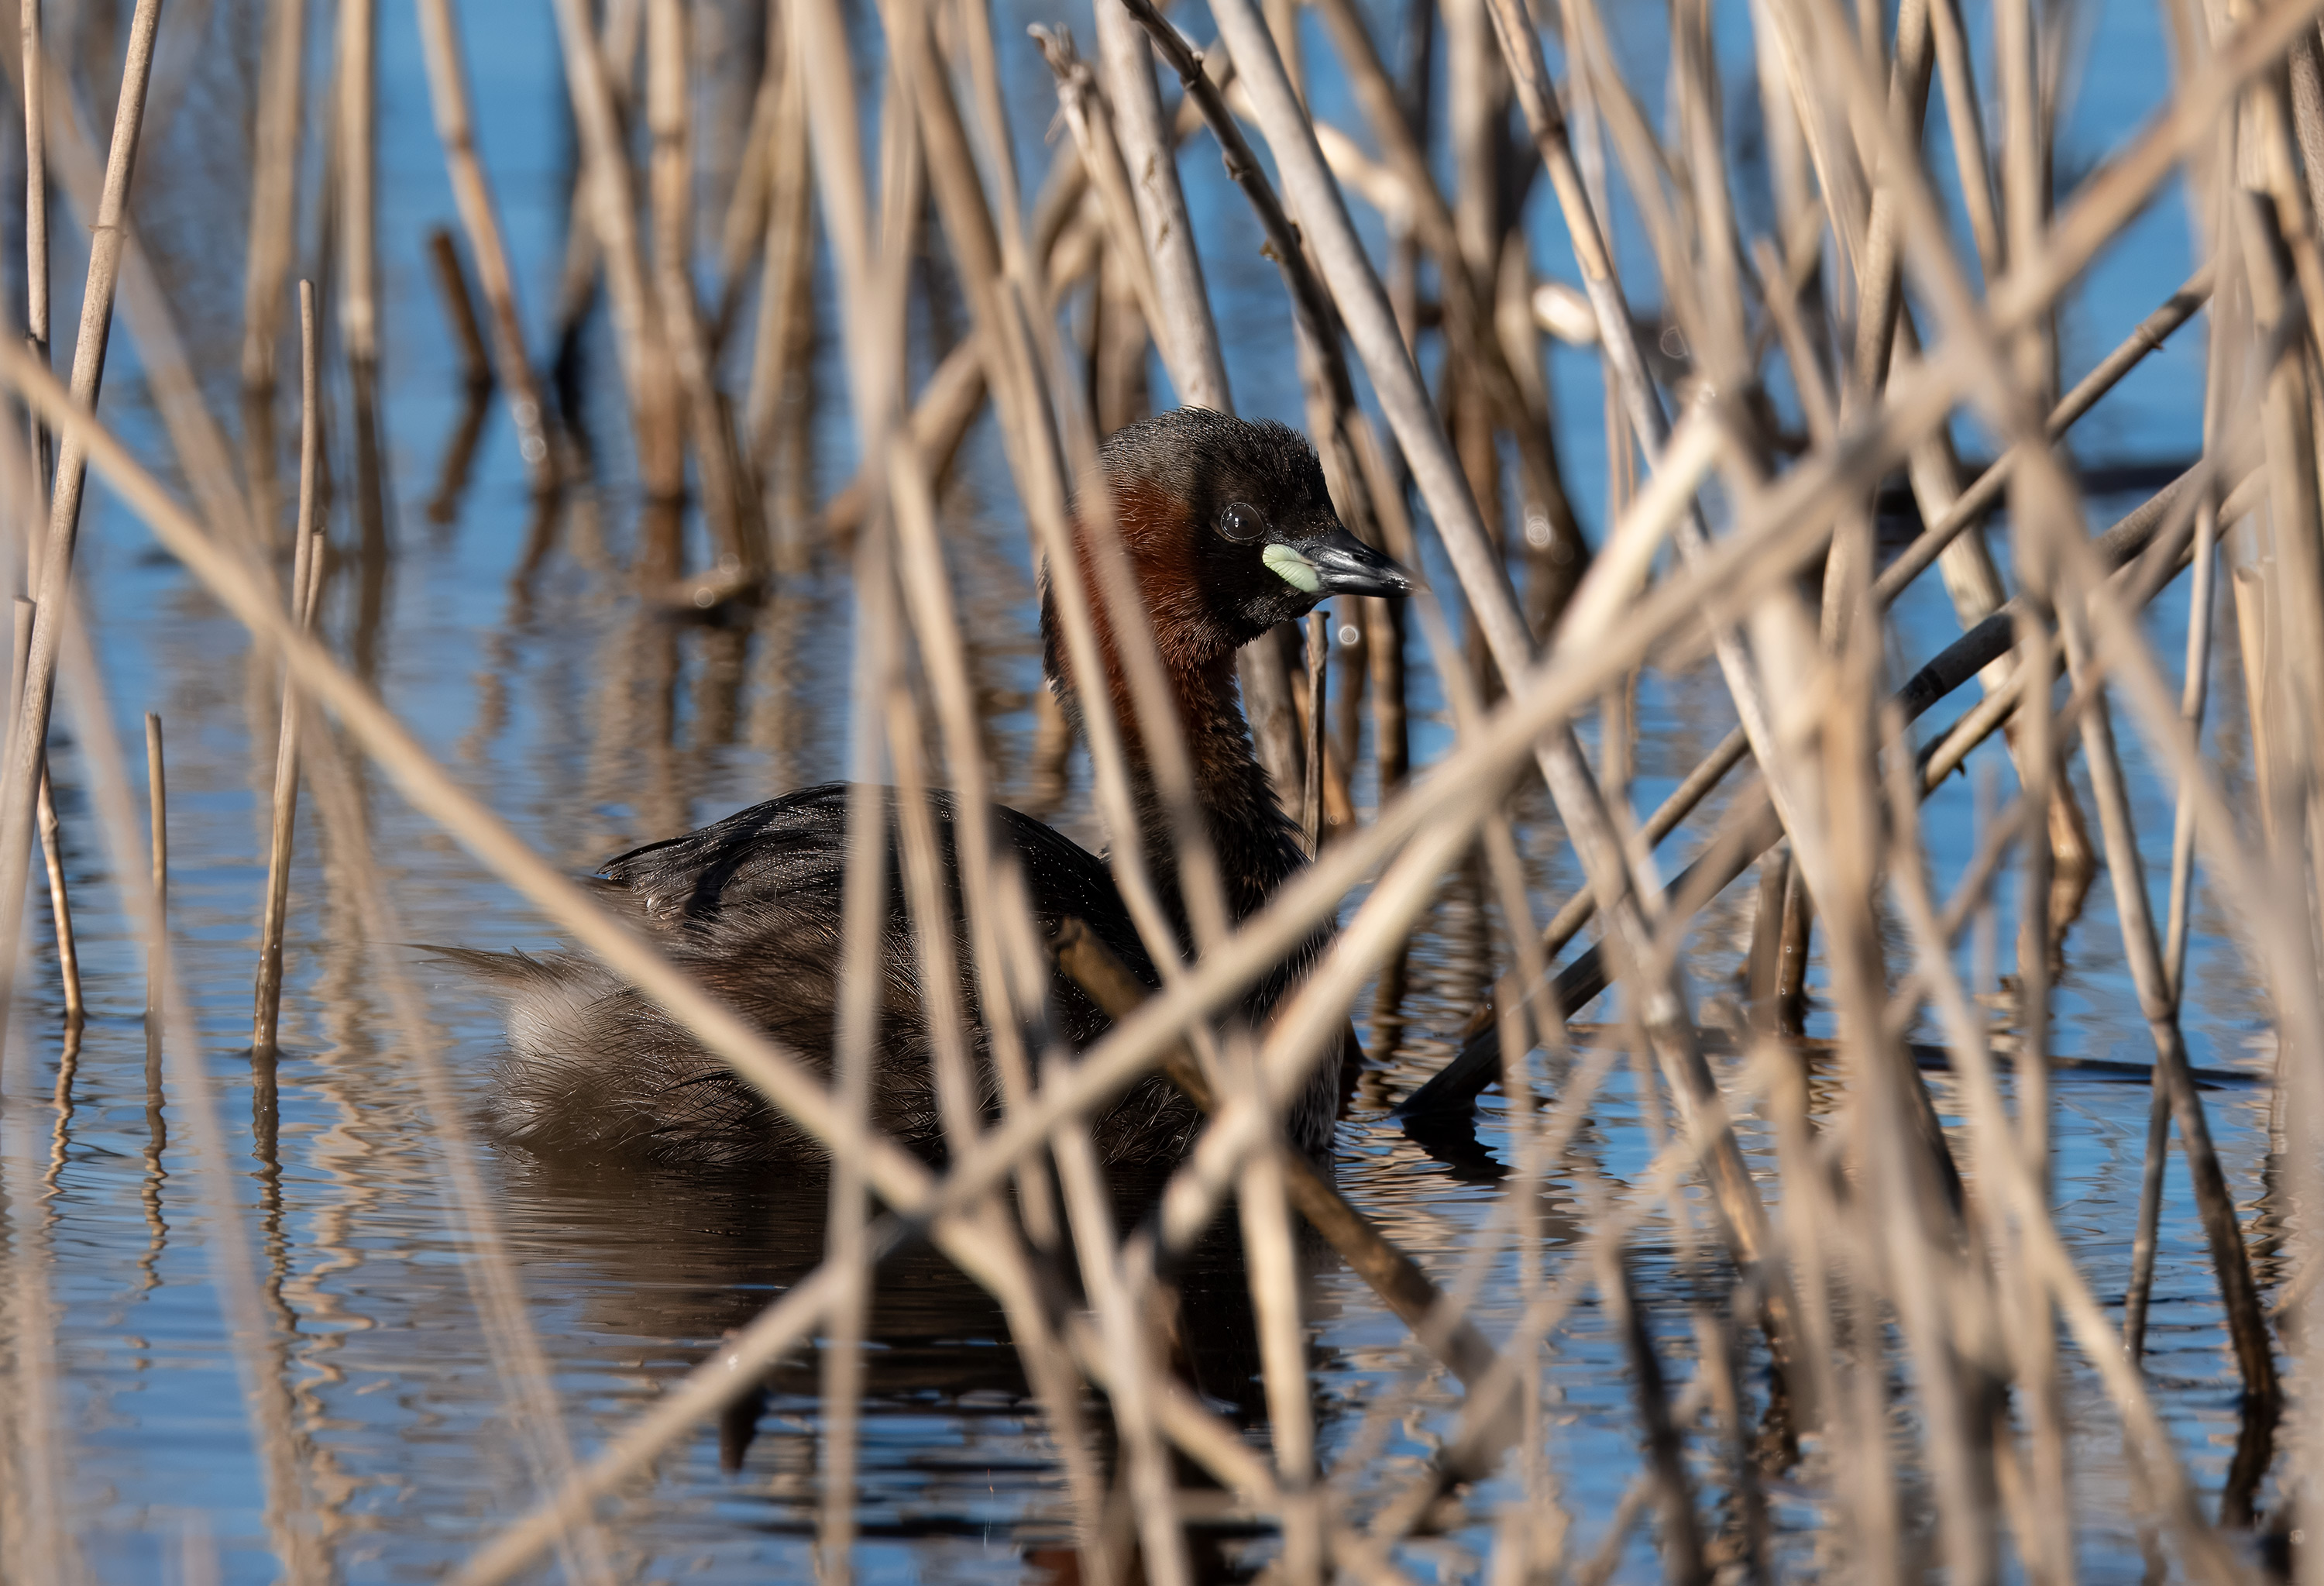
[(1884, 1251)]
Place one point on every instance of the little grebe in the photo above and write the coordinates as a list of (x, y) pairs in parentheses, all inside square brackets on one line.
[(1229, 531)]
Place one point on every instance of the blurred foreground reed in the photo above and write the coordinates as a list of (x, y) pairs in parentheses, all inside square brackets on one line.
[(1783, 381)]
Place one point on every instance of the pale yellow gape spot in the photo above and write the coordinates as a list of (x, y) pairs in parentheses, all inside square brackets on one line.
[(1293, 568)]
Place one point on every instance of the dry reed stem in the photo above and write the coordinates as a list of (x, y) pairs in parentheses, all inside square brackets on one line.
[(52, 841), (671, 188), (1129, 1344), (157, 802), (1185, 332), (273, 221), (1395, 381), (785, 268), (173, 1030), (472, 195), (494, 1285), (2159, 1003), (1090, 120), (1393, 1275), (38, 1480), (306, 588), (1473, 1069), (52, 860), (354, 93), (36, 206), (959, 1096), (2072, 557), (2202, 598), (28, 750), (1218, 978), (1697, 582), (646, 371), (459, 311)]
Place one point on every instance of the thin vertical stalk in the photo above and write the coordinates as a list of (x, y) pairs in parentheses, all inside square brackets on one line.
[(35, 78), (355, 97), (1311, 800), (1129, 1342), (2201, 602), (1682, 1560), (305, 586), (52, 858), (784, 281), (357, 102), (670, 184), (157, 802), (273, 214), (52, 844)]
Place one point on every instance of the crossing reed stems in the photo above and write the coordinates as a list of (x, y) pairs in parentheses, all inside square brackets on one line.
[(1911, 1323), (28, 751), (611, 215)]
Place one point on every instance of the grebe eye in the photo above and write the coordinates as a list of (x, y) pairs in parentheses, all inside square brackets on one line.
[(1243, 522)]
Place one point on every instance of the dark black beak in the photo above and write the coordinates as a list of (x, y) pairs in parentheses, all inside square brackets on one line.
[(1347, 566)]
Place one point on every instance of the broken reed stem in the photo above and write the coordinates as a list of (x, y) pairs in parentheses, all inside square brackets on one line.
[(459, 310), (306, 586), (472, 194)]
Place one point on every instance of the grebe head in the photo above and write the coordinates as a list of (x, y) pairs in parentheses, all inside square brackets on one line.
[(1229, 530)]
